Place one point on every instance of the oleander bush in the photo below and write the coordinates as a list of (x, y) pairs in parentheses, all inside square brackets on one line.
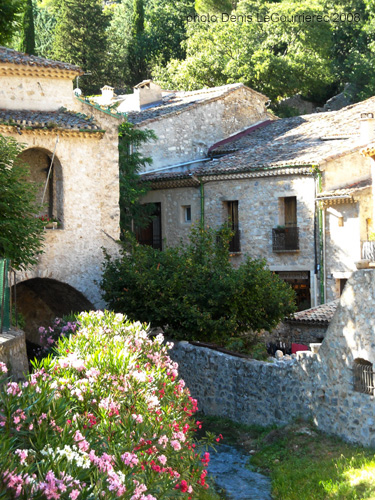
[(106, 417), (193, 291)]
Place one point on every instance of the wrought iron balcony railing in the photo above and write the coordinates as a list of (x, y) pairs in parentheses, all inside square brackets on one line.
[(285, 239)]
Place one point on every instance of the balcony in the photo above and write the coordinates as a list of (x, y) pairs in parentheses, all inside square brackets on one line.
[(285, 239)]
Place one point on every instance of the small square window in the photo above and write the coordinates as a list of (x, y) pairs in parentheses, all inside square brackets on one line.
[(186, 213)]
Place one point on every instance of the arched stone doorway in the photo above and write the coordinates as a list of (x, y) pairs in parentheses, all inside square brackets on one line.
[(49, 178), (41, 300)]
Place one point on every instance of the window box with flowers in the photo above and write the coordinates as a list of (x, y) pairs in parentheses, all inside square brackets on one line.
[(50, 222)]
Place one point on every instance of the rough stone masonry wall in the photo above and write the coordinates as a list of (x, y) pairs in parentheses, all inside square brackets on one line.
[(318, 386), (13, 353), (90, 189), (188, 135)]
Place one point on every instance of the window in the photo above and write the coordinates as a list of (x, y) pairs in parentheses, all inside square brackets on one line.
[(342, 283), (285, 237), (363, 376), (290, 211), (186, 214), (234, 244), (151, 235)]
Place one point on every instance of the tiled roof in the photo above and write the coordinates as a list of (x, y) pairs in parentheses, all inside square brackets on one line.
[(11, 56), (347, 190), (61, 119), (299, 141), (320, 315), (175, 102)]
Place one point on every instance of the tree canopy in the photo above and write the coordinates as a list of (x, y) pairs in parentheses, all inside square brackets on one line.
[(10, 19), (21, 232)]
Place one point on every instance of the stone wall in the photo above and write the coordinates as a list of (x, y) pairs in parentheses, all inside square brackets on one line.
[(318, 386), (187, 135), (298, 333), (37, 93), (13, 353), (89, 201), (259, 211)]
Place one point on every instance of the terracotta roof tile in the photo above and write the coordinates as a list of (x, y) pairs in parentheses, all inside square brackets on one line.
[(48, 119), (299, 141), (11, 56), (321, 315), (347, 190)]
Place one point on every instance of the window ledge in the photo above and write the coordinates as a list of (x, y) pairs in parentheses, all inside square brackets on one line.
[(286, 251)]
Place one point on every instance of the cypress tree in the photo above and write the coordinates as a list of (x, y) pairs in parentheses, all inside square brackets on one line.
[(138, 23), (137, 49), (80, 38), (27, 43)]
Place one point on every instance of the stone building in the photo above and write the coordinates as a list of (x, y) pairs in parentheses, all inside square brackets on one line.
[(71, 149), (297, 192), (187, 124)]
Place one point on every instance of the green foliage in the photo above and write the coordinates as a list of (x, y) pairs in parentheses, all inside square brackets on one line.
[(28, 32), (134, 48), (194, 291), (10, 19), (131, 161), (276, 58), (44, 25), (219, 6), (21, 232), (80, 38)]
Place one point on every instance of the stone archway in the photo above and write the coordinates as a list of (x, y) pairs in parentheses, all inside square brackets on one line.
[(41, 300), (39, 161)]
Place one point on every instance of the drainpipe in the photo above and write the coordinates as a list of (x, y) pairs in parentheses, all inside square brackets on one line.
[(201, 189), (202, 202), (322, 265)]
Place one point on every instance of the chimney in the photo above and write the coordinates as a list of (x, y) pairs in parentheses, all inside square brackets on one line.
[(107, 93), (367, 128), (147, 92)]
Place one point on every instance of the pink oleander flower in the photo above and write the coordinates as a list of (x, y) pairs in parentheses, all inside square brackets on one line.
[(175, 444), (129, 459), (74, 494), (137, 418), (14, 389), (3, 367), (162, 459), (22, 454)]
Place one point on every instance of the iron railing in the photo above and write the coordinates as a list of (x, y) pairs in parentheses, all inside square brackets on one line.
[(363, 378), (285, 239), (368, 250)]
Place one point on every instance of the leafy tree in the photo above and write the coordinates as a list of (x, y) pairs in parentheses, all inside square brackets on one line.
[(10, 19), (131, 161), (80, 39), (134, 48), (208, 6), (20, 231), (28, 32), (195, 290), (276, 58)]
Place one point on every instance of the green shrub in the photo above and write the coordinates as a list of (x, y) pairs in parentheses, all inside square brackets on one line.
[(194, 291), (105, 418)]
